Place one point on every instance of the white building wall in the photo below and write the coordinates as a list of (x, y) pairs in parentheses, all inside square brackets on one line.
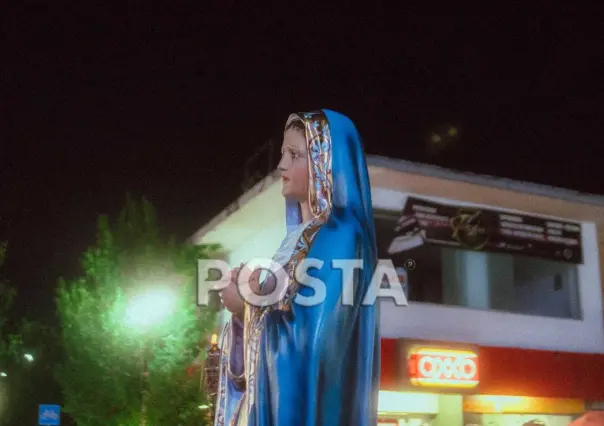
[(494, 328), (262, 224), (262, 244)]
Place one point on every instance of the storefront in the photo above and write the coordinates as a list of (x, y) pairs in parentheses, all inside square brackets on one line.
[(452, 384)]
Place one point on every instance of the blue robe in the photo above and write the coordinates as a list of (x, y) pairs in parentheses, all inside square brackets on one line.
[(317, 365)]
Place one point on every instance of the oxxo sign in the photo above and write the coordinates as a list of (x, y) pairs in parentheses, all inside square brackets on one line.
[(443, 368)]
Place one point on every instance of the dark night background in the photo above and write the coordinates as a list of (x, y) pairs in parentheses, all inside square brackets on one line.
[(102, 99)]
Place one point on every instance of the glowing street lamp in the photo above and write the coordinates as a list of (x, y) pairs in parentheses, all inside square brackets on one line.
[(150, 309), (29, 357), (145, 311), (3, 374)]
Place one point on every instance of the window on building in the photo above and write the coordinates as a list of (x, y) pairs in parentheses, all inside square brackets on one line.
[(483, 280)]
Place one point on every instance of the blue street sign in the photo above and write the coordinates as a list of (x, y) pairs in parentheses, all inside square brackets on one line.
[(49, 415)]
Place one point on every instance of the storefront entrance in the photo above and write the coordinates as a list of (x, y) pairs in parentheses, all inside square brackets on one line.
[(472, 419), (491, 410), (419, 409), (453, 384), (438, 409)]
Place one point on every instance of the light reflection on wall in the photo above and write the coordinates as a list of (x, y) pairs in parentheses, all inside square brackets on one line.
[(399, 403), (493, 404)]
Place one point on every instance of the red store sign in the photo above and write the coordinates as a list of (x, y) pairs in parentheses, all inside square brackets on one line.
[(443, 368)]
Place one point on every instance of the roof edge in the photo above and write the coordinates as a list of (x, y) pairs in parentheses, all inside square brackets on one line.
[(486, 180)]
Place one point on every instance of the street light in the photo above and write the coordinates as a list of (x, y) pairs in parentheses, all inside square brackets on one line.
[(3, 374), (150, 309), (29, 357), (145, 311)]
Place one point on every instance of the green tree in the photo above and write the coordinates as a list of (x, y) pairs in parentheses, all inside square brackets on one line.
[(108, 345)]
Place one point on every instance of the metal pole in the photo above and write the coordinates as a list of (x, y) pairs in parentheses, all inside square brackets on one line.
[(143, 421)]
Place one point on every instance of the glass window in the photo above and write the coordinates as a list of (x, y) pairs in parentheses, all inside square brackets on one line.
[(483, 280)]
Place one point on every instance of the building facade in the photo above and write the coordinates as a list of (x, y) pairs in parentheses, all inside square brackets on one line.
[(505, 321)]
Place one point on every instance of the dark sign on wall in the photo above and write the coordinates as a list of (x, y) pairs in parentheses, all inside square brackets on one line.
[(487, 230)]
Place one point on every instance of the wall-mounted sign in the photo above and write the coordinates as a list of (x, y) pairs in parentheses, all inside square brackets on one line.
[(484, 229), (435, 367)]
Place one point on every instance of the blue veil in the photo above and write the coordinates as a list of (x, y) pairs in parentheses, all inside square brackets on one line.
[(319, 365)]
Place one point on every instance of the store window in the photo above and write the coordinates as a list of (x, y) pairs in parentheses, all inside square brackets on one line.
[(482, 279), (497, 410)]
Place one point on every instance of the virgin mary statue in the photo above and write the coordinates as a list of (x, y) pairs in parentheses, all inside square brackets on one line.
[(294, 363)]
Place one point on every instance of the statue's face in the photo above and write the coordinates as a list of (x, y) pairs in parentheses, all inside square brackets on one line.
[(294, 165)]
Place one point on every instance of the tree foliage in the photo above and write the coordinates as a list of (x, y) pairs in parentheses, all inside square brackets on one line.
[(102, 376)]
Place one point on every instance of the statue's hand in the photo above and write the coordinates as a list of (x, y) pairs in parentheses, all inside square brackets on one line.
[(255, 280), (231, 295), (231, 298)]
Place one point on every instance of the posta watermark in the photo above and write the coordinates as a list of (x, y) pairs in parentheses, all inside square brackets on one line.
[(215, 275)]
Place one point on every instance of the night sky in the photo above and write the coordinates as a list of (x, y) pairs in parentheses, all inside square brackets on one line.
[(169, 103)]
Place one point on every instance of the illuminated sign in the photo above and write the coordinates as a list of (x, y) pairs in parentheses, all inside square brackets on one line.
[(443, 368)]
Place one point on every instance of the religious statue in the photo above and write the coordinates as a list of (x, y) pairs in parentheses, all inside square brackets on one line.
[(293, 362)]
